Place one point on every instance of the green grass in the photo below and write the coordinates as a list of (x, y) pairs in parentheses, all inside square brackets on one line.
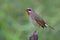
[(15, 24)]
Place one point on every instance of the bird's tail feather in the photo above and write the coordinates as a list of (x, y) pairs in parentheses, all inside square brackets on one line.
[(49, 26)]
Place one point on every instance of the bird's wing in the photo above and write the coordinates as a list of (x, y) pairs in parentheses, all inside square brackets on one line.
[(40, 21)]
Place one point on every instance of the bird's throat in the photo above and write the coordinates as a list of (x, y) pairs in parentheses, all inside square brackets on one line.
[(29, 13)]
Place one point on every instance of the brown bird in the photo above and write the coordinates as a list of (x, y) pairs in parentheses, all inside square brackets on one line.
[(36, 19)]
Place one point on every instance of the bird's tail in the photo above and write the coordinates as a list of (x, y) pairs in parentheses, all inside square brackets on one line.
[(49, 26)]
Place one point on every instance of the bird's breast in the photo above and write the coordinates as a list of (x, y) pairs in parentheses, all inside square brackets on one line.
[(33, 21)]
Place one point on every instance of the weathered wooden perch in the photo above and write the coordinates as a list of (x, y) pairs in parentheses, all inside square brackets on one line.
[(34, 35)]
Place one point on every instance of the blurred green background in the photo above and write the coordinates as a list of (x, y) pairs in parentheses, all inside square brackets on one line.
[(15, 24)]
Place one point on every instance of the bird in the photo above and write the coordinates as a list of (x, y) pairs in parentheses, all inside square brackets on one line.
[(36, 20)]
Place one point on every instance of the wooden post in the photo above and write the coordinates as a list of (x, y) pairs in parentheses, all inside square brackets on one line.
[(34, 35)]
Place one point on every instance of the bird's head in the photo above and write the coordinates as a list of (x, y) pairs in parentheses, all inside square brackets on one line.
[(29, 10)]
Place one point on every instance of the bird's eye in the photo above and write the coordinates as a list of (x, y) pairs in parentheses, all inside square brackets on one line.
[(29, 9)]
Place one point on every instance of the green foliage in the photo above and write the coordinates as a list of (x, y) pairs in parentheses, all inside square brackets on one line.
[(14, 22)]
